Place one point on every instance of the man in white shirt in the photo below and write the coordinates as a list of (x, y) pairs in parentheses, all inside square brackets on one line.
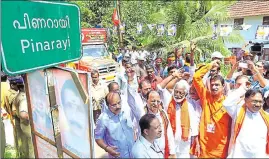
[(146, 146), (195, 102), (98, 91), (183, 118), (249, 137), (166, 141)]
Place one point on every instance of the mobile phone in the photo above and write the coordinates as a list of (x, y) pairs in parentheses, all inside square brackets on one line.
[(243, 65)]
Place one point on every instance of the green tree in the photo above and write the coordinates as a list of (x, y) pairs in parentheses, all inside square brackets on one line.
[(194, 20)]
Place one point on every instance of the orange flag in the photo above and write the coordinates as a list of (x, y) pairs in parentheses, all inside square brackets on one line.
[(115, 18)]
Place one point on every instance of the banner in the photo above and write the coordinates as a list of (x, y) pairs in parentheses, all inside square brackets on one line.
[(151, 26), (226, 30), (215, 35), (160, 29), (114, 30), (139, 28), (262, 32), (172, 30), (73, 119)]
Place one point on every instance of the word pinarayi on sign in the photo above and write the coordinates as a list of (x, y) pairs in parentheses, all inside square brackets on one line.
[(38, 35)]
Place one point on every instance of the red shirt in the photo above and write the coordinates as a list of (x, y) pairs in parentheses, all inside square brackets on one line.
[(156, 80)]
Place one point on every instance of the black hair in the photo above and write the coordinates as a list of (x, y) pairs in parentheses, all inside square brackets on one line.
[(217, 78), (149, 66), (142, 82), (110, 85), (70, 85), (128, 63), (145, 121), (252, 92), (187, 58), (93, 72), (3, 77), (266, 65), (173, 66)]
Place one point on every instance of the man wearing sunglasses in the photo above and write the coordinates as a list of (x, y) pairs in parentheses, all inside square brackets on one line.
[(250, 124), (114, 130)]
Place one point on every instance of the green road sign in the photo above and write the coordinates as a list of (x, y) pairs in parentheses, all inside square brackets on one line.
[(39, 34)]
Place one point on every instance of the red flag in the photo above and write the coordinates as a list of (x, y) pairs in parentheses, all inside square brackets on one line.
[(115, 18)]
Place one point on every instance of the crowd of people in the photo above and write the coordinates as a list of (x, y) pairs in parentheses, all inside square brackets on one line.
[(184, 109), (181, 109)]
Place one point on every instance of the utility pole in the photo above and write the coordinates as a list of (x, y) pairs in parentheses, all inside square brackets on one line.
[(118, 27)]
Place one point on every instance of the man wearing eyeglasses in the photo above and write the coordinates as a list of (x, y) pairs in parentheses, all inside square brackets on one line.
[(146, 146), (250, 124), (114, 131), (166, 141)]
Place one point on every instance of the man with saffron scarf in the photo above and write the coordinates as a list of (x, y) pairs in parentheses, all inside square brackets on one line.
[(166, 141), (250, 124), (215, 122), (180, 113)]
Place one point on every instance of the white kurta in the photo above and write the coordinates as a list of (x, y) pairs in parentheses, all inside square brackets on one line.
[(182, 147), (138, 109), (161, 141), (251, 140)]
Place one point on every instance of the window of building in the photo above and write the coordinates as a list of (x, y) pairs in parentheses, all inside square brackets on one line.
[(238, 21), (265, 20)]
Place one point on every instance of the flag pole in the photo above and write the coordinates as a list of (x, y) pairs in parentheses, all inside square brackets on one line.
[(120, 35)]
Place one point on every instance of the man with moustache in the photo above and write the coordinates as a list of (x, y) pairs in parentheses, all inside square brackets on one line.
[(181, 113), (114, 130), (75, 136), (146, 146), (215, 122), (250, 124), (154, 80), (144, 87), (158, 69), (98, 91), (166, 141)]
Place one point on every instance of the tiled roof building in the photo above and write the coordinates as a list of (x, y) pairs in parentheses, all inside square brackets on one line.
[(249, 8)]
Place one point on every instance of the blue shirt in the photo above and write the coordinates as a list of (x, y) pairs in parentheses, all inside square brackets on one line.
[(144, 149), (116, 130)]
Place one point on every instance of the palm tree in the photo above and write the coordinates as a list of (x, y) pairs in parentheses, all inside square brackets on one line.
[(194, 20)]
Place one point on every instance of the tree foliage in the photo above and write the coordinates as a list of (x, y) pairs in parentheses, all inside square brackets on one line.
[(194, 20)]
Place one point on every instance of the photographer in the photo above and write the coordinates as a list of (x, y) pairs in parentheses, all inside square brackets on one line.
[(266, 69), (251, 70)]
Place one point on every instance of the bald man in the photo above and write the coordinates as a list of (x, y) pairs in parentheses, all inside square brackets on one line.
[(114, 129)]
